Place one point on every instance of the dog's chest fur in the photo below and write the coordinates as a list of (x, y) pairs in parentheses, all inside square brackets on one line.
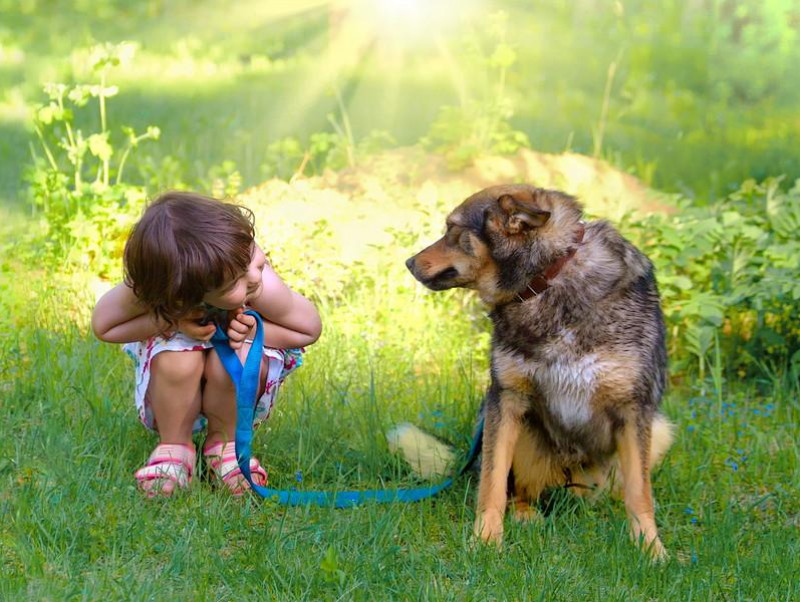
[(557, 387), (563, 377), (567, 383)]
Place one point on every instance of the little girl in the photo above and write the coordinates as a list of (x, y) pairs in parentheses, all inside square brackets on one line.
[(191, 262)]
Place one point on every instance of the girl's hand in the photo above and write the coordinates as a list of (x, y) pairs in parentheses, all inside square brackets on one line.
[(290, 320), (240, 327), (191, 327)]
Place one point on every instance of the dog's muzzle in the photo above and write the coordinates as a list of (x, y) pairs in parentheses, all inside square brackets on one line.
[(438, 282)]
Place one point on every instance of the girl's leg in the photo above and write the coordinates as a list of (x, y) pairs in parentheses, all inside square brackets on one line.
[(174, 397), (218, 403), (219, 407), (174, 393)]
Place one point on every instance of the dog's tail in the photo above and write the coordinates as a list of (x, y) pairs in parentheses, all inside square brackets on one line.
[(428, 456), (661, 439)]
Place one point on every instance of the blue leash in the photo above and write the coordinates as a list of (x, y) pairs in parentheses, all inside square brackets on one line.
[(245, 380)]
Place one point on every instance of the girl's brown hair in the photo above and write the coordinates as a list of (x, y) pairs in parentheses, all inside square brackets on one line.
[(184, 246)]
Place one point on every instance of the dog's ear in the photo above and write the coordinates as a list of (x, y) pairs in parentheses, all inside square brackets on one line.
[(521, 217)]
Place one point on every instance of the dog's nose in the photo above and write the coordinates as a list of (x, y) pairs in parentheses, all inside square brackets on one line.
[(410, 264)]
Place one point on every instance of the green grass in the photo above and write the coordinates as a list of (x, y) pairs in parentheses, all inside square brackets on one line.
[(75, 527)]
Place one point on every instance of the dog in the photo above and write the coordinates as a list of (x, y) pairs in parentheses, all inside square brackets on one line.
[(578, 353)]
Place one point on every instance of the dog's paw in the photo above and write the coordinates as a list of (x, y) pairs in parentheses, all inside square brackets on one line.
[(523, 512), (489, 527), (656, 551)]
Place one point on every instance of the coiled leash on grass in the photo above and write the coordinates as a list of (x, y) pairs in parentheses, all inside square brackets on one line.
[(245, 380)]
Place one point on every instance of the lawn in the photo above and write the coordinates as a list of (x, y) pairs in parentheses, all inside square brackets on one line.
[(75, 527)]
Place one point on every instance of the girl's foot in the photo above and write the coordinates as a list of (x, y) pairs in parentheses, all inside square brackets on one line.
[(221, 458), (168, 468)]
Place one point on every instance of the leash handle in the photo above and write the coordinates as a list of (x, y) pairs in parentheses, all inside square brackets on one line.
[(245, 379)]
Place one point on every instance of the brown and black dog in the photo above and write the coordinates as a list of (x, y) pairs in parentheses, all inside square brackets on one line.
[(578, 352)]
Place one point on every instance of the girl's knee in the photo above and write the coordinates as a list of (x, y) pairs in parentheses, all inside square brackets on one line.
[(215, 373), (178, 367)]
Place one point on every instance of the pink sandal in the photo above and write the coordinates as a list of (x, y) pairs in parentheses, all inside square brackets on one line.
[(168, 468), (221, 457)]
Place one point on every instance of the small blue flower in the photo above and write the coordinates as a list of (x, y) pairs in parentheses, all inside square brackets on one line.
[(298, 476), (688, 510), (694, 558), (690, 428), (742, 455)]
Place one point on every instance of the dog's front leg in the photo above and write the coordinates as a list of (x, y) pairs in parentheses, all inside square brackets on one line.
[(501, 430)]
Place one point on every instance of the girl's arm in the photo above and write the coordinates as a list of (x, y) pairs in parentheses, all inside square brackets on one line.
[(118, 317), (291, 320)]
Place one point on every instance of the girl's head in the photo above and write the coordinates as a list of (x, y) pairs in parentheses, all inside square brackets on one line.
[(187, 249)]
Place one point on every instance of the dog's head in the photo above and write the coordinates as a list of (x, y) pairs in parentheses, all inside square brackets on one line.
[(497, 240)]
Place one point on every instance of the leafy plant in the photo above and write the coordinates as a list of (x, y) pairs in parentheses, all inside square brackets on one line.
[(78, 185), (288, 157), (224, 180), (283, 158), (480, 123), (731, 270)]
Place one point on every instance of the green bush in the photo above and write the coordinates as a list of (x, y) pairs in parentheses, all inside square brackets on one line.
[(730, 271)]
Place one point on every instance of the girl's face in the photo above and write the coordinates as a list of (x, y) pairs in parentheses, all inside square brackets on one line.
[(247, 286)]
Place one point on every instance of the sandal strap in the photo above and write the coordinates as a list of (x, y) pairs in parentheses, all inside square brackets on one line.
[(173, 461), (220, 448), (222, 459), (226, 470), (173, 471)]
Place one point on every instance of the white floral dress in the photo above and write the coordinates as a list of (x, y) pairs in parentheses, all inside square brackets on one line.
[(280, 363)]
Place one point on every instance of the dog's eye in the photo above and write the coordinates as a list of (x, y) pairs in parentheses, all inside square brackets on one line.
[(451, 236), (465, 242)]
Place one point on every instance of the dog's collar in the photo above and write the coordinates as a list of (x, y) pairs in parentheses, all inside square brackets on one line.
[(541, 282)]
